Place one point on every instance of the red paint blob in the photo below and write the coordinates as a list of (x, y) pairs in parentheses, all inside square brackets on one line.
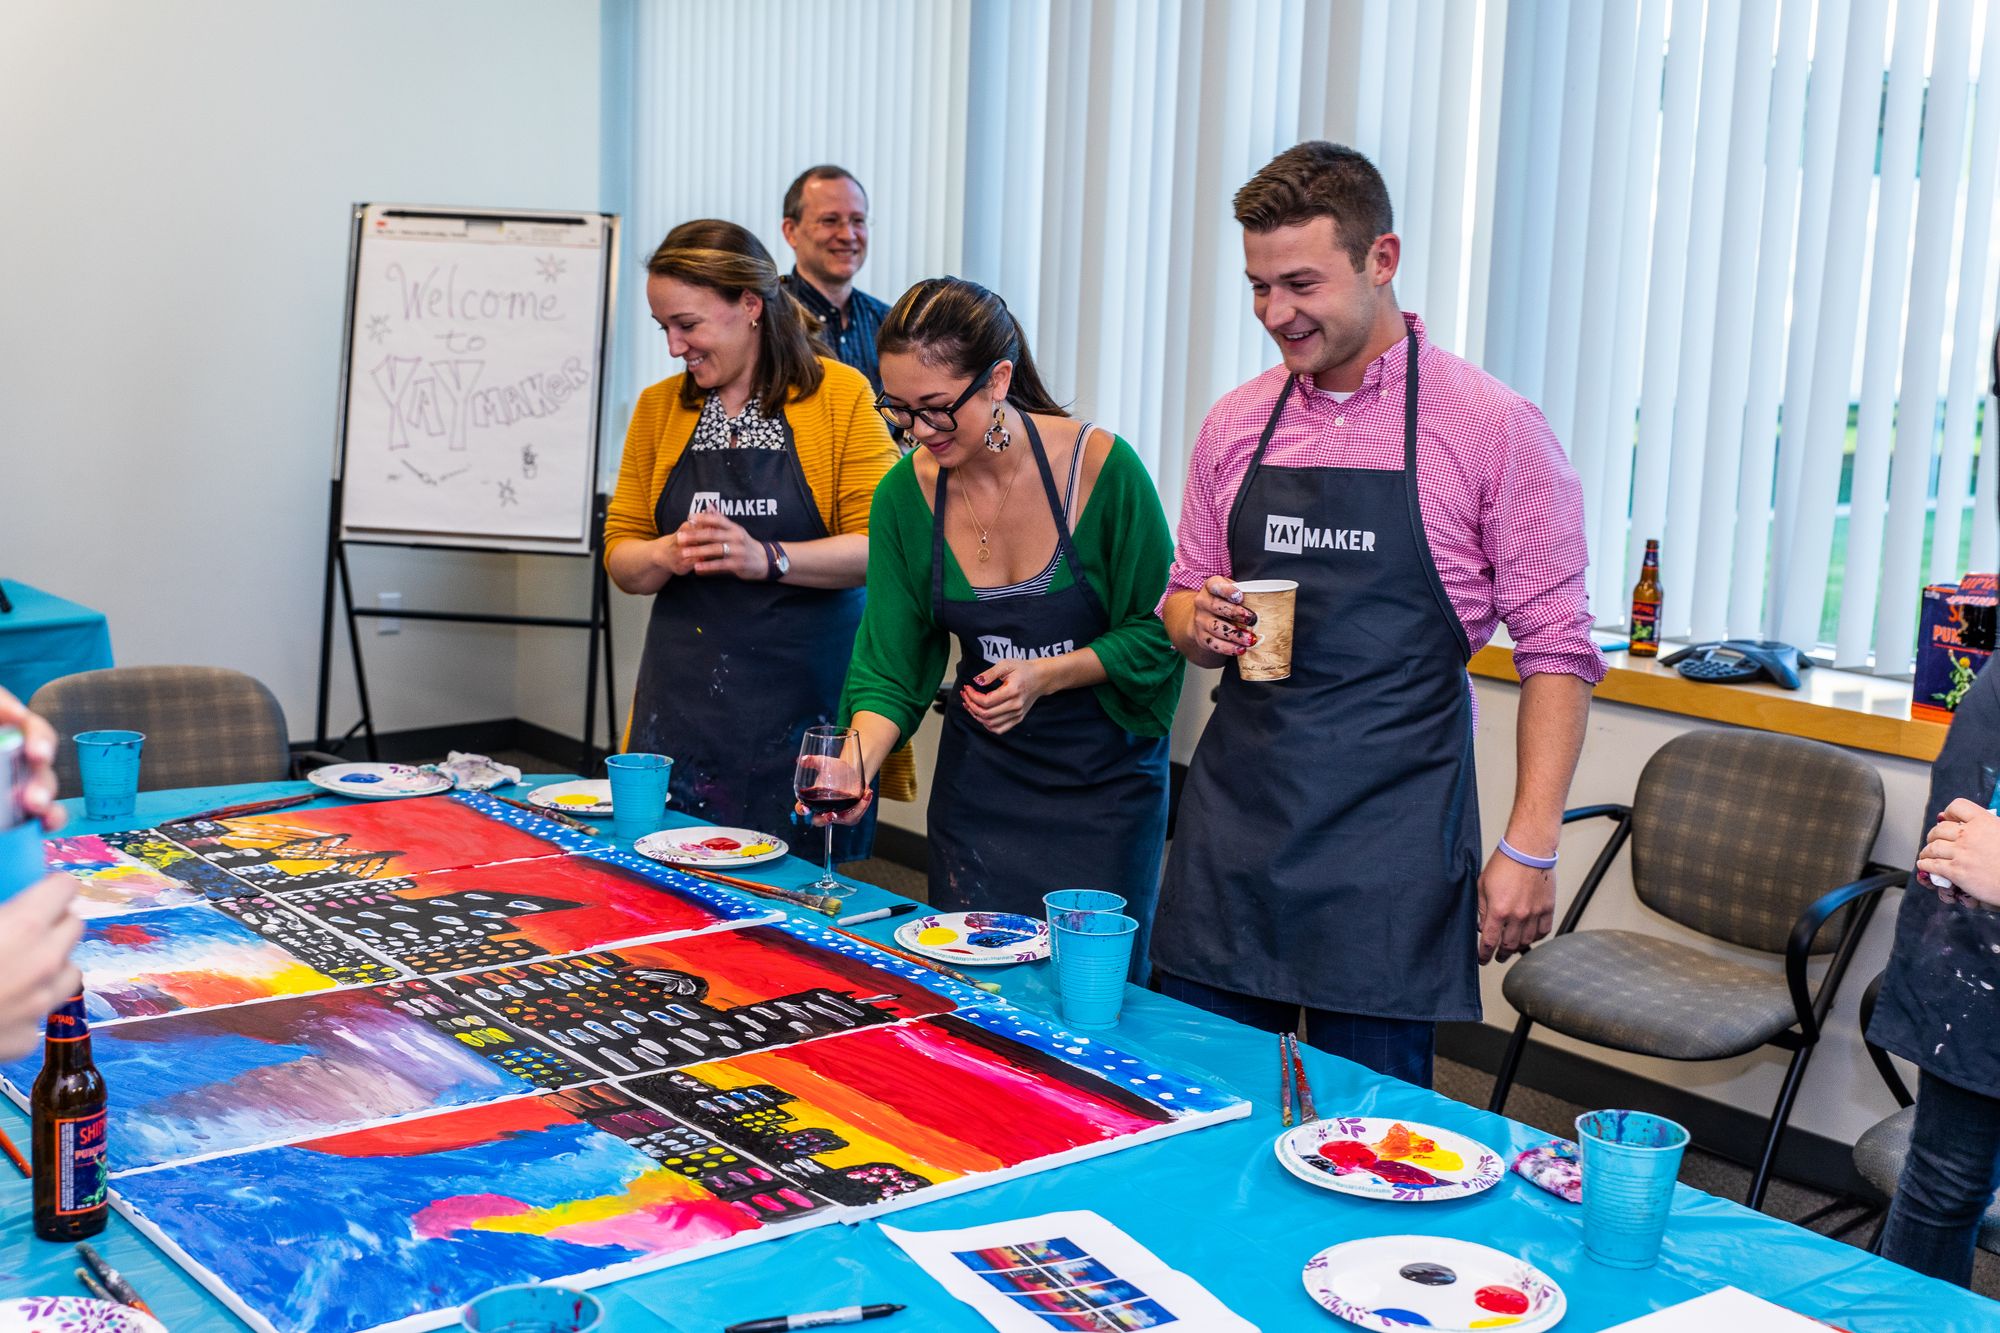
[(720, 844), (1501, 1300), (1347, 1155)]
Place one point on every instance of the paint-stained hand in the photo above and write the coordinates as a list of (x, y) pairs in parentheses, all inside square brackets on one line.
[(1964, 847), (40, 794), (39, 931), (1001, 695), (1517, 906), (717, 545), (1221, 621)]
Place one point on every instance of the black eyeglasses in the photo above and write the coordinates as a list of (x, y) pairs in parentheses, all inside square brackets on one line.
[(901, 416)]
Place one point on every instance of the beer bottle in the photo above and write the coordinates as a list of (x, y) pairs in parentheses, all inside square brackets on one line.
[(71, 1183), (1646, 605)]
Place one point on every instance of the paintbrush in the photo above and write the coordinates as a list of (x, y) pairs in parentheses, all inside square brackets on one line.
[(1306, 1112), (111, 1278), (14, 1155), (991, 988), (817, 902), (567, 821), (1285, 1078), (251, 808), (96, 1288)]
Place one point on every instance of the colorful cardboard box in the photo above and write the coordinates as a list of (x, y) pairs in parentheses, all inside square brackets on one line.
[(1946, 662)]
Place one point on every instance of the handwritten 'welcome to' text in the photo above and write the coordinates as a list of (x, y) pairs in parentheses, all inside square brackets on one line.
[(429, 297)]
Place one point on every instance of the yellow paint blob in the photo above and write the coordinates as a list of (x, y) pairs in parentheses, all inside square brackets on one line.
[(936, 935), (576, 798), (1500, 1322)]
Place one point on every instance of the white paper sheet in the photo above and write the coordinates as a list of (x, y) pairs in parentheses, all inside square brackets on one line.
[(1065, 1271), (1725, 1311)]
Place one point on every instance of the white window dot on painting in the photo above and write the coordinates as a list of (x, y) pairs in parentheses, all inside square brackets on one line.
[(1073, 1050), (1194, 1092), (1166, 1096), (1152, 1078)]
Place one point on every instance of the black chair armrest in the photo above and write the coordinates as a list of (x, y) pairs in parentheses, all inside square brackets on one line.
[(1879, 1057), (1621, 817), (1868, 890), (305, 761)]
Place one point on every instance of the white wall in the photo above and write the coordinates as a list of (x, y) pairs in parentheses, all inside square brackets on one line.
[(178, 182)]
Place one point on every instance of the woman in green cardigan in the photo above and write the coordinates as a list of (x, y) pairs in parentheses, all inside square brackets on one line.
[(1040, 545)]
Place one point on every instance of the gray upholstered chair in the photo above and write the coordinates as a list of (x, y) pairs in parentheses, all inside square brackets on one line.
[(1754, 839), (1879, 1152), (205, 726)]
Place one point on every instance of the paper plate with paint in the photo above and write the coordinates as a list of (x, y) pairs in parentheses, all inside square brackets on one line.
[(590, 798), (378, 782), (61, 1314), (1388, 1159), (978, 939), (1395, 1283), (715, 848)]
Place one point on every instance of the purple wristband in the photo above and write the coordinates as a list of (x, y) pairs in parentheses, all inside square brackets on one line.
[(1513, 853)]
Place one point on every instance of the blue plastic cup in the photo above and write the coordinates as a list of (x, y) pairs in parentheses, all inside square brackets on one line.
[(1630, 1163), (109, 761), (1074, 901), (20, 858), (532, 1309), (1096, 953), (638, 793)]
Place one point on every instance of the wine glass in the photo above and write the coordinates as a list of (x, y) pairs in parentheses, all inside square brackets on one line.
[(828, 781)]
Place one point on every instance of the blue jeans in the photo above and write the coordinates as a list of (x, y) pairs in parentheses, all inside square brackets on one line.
[(1948, 1181), (1399, 1047)]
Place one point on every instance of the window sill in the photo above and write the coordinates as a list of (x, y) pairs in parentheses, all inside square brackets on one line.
[(1844, 708)]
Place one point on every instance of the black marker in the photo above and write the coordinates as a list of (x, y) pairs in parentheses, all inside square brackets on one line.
[(879, 914), (847, 1314)]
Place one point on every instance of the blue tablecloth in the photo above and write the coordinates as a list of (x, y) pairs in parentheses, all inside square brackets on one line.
[(44, 637), (1214, 1203)]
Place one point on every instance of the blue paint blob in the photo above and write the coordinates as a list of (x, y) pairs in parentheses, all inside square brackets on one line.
[(362, 777), (1403, 1316)]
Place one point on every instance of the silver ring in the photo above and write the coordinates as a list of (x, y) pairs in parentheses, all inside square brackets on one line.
[(725, 549)]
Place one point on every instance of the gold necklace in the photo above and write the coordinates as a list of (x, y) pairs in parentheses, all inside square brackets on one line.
[(985, 553)]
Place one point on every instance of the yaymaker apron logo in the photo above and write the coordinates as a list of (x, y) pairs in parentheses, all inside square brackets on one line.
[(1292, 535), (706, 502), (1000, 648)]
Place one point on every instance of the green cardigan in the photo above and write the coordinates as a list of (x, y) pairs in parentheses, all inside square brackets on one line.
[(901, 649)]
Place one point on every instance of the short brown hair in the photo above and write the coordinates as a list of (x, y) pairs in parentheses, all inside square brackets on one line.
[(1317, 179), (729, 261), (795, 197)]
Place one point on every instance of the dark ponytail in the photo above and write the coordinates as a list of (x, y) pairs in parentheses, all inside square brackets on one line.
[(957, 325)]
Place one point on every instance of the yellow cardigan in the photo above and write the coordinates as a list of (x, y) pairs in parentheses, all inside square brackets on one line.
[(844, 451)]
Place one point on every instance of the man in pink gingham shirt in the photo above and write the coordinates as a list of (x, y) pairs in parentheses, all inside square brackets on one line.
[(1327, 853)]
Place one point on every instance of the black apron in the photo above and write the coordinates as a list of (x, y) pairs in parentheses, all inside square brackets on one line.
[(734, 672), (1067, 799), (1940, 1002), (1327, 852)]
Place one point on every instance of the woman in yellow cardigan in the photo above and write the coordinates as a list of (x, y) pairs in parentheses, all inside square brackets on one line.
[(742, 508)]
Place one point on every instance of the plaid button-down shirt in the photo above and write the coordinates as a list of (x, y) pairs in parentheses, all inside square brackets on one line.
[(850, 336), (1502, 507)]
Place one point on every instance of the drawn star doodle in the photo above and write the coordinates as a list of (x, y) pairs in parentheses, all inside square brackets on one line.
[(507, 494), (378, 327), (550, 267)]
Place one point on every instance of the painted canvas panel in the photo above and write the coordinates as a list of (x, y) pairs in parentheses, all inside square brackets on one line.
[(652, 1006), (296, 849), (881, 1114), (198, 957), (218, 1080), (136, 870), (451, 920), (433, 1210)]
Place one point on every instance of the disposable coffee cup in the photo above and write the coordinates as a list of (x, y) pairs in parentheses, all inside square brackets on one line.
[(1274, 601)]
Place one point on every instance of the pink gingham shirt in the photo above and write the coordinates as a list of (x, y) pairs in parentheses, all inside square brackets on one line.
[(1502, 507)]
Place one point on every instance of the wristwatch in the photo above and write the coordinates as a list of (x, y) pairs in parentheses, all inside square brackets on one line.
[(777, 563)]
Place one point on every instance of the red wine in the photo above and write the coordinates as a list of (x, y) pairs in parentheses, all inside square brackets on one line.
[(828, 800)]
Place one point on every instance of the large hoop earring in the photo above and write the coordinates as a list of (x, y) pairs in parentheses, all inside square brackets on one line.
[(997, 437)]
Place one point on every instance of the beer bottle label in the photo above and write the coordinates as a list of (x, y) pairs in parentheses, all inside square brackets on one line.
[(81, 1180), (1645, 622)]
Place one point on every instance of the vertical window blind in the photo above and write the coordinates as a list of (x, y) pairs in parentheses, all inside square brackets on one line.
[(1741, 252)]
